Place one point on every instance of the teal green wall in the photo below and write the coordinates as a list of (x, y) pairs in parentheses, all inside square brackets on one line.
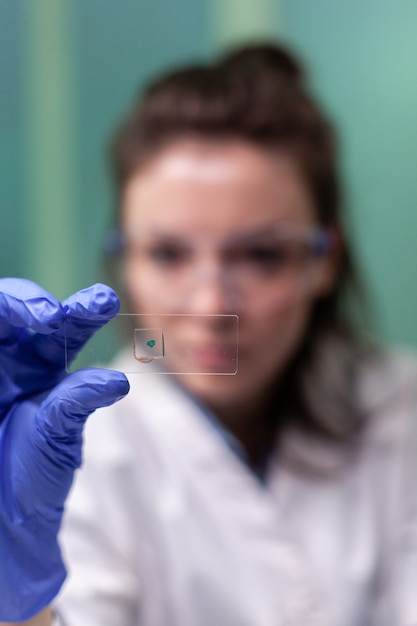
[(363, 58), (11, 215), (69, 68)]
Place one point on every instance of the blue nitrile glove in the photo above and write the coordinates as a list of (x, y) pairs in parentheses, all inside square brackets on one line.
[(42, 413)]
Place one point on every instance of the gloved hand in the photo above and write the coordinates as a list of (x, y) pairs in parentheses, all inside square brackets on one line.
[(42, 413)]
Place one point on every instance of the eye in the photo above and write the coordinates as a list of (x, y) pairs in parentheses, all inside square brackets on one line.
[(167, 254), (267, 255), (262, 257)]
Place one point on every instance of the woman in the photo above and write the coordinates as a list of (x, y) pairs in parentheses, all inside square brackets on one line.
[(279, 495)]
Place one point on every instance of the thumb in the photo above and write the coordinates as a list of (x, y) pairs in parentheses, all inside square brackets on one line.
[(64, 411), (48, 449), (41, 443)]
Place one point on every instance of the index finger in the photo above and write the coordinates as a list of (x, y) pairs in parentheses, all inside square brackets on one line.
[(25, 304)]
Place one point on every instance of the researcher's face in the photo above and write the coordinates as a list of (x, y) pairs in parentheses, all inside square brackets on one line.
[(224, 228)]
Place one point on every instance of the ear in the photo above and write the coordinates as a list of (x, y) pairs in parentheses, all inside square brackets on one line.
[(327, 267), (326, 273)]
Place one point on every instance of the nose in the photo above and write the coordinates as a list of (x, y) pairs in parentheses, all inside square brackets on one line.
[(212, 292)]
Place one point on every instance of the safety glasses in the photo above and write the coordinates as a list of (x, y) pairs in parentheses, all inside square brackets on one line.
[(248, 264)]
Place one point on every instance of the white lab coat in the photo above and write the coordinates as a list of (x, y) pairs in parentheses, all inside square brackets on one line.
[(166, 526)]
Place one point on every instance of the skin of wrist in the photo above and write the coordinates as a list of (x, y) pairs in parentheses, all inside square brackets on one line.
[(44, 618)]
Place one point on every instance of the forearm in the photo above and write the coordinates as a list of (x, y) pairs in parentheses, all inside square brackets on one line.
[(44, 618)]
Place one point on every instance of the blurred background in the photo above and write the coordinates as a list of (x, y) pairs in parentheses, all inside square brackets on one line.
[(70, 68)]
